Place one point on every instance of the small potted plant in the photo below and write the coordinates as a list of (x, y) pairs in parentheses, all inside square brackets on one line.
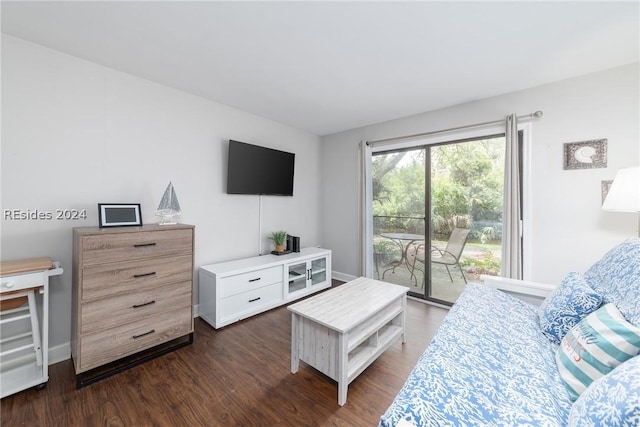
[(279, 238)]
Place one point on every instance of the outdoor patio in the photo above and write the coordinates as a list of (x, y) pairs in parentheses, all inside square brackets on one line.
[(442, 287)]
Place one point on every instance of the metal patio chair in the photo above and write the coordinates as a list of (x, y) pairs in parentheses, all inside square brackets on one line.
[(449, 256)]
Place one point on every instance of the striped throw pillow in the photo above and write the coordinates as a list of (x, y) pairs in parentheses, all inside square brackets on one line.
[(593, 347)]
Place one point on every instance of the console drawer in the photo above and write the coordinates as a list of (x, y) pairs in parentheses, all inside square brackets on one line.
[(239, 283), (127, 308), (111, 279), (115, 343), (22, 281), (104, 248), (236, 305)]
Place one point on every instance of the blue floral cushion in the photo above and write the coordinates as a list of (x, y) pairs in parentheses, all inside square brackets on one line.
[(567, 305), (617, 278), (488, 365), (613, 400)]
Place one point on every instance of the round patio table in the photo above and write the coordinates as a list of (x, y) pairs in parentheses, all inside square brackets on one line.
[(404, 241)]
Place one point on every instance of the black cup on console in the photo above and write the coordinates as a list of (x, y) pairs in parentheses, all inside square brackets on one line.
[(293, 243)]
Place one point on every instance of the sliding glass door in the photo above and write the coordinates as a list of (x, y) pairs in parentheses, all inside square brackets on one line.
[(398, 185), (437, 215)]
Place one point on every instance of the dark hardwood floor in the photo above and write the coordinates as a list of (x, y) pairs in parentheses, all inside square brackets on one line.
[(236, 376)]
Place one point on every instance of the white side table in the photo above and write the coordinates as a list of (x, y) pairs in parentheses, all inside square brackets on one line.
[(24, 292)]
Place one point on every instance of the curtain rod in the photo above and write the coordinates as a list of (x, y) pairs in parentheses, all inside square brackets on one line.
[(535, 115)]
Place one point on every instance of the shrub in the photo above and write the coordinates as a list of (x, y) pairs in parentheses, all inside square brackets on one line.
[(485, 263)]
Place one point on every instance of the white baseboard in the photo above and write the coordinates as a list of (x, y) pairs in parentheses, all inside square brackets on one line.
[(59, 353), (342, 276)]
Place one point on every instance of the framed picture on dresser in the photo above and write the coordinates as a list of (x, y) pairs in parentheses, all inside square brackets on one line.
[(119, 214)]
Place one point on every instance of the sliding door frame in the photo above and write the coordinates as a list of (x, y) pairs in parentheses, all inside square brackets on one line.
[(440, 139)]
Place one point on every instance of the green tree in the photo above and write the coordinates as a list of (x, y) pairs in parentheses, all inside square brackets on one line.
[(466, 185)]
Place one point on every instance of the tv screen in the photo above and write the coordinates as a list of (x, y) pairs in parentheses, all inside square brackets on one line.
[(259, 170)]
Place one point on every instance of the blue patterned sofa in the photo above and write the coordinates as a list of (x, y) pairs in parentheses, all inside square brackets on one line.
[(490, 364)]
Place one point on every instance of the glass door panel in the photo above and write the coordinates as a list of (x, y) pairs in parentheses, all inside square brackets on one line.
[(318, 271), (398, 180), (466, 199), (297, 277)]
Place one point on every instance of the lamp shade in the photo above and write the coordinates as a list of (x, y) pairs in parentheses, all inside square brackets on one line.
[(624, 194)]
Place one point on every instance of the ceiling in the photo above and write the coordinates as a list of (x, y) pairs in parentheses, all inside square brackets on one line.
[(325, 67)]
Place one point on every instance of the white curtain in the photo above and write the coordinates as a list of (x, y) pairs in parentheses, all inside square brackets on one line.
[(512, 215), (366, 225)]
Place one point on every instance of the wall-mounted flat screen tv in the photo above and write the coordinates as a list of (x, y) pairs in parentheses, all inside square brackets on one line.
[(259, 170)]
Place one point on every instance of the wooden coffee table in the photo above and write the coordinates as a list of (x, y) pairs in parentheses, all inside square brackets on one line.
[(342, 331)]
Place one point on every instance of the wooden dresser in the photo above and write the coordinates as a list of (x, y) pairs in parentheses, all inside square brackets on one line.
[(132, 291)]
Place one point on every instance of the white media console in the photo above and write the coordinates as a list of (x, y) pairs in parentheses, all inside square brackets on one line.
[(234, 290)]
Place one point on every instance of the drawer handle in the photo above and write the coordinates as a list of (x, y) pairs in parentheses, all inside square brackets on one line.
[(8, 284), (254, 300), (143, 245), (142, 305), (254, 280), (153, 273), (135, 337)]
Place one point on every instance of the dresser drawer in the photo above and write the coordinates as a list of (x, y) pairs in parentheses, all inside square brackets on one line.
[(248, 301), (109, 345), (22, 281), (239, 283), (110, 279), (132, 307), (104, 248)]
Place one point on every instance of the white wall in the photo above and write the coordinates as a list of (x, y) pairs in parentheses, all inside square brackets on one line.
[(75, 133), (569, 230)]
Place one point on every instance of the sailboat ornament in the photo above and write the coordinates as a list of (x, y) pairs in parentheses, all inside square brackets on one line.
[(169, 206)]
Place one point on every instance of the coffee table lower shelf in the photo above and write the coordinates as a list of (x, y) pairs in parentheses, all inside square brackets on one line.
[(365, 355)]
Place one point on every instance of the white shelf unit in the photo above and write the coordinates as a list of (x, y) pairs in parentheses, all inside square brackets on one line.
[(234, 290), (24, 337)]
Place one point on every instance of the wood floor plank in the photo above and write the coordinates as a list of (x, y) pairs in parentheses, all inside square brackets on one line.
[(235, 376)]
